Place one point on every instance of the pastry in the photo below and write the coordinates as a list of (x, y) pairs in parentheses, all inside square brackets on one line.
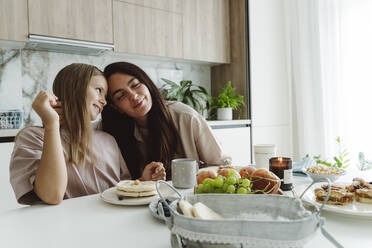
[(338, 195), (358, 183), (363, 195), (362, 190)]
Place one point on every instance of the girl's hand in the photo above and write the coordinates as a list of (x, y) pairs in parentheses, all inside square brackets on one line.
[(153, 171), (58, 108), (43, 106)]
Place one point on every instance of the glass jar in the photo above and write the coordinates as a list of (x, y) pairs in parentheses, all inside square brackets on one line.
[(282, 167)]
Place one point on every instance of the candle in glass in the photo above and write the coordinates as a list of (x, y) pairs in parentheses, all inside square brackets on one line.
[(282, 167)]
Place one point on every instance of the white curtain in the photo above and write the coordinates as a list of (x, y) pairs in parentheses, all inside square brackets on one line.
[(356, 75), (313, 35)]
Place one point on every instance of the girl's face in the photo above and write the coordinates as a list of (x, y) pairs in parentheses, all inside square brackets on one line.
[(130, 96), (96, 96)]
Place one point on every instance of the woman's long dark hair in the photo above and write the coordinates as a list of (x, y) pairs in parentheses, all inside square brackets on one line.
[(163, 139)]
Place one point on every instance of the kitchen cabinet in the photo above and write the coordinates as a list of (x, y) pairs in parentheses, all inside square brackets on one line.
[(13, 20), (206, 35), (147, 31), (169, 5), (8, 201), (88, 20), (235, 138), (236, 71)]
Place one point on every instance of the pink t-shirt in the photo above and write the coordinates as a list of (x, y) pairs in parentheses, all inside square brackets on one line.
[(109, 167)]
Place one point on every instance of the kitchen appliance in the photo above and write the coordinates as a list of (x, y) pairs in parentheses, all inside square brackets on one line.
[(11, 119), (52, 44)]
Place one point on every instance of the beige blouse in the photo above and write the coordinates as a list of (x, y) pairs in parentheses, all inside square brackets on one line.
[(109, 167), (197, 139)]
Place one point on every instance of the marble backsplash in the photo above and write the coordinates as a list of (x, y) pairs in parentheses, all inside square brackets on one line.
[(23, 73)]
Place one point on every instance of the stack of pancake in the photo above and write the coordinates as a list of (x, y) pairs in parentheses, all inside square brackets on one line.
[(136, 188)]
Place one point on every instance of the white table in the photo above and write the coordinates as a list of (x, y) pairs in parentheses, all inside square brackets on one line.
[(90, 222)]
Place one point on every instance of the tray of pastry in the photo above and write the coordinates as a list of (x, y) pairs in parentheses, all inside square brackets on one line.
[(350, 198)]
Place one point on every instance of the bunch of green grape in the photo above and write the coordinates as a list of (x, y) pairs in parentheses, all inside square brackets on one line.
[(227, 185)]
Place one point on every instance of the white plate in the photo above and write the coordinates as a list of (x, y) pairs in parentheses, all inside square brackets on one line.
[(110, 196), (153, 207), (331, 177), (355, 208)]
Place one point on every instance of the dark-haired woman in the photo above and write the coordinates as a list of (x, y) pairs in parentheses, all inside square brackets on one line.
[(150, 130)]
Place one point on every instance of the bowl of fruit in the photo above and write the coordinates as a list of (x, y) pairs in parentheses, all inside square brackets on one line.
[(229, 180)]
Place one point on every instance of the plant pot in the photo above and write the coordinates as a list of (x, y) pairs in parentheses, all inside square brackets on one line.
[(224, 114)]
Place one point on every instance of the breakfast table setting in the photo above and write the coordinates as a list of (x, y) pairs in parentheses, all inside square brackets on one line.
[(105, 220)]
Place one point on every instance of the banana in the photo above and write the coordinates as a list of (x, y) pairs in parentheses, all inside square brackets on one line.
[(199, 210), (186, 208)]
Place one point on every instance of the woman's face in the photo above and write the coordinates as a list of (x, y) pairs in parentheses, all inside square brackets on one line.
[(130, 96), (96, 96)]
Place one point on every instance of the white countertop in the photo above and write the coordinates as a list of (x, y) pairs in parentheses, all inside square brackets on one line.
[(90, 222), (229, 123), (13, 132), (8, 132)]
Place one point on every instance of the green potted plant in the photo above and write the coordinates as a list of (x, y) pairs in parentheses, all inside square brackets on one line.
[(340, 160), (222, 105), (193, 95)]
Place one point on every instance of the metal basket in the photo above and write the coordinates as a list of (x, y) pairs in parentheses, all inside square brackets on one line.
[(292, 221), (11, 119)]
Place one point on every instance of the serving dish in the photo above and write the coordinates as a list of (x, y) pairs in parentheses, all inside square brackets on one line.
[(352, 209), (155, 205), (317, 177), (109, 196), (288, 222)]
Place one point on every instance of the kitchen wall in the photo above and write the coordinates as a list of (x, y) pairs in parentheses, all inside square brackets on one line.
[(270, 80), (23, 73)]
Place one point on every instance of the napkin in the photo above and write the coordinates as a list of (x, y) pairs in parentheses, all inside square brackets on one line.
[(297, 167)]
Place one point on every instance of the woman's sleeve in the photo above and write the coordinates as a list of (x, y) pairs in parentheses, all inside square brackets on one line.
[(23, 164), (209, 149)]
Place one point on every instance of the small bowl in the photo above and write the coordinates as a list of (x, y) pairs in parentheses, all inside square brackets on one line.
[(319, 177)]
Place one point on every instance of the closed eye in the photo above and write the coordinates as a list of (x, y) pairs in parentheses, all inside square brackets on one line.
[(121, 96), (136, 85)]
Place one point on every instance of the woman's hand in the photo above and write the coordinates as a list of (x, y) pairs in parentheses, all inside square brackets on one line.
[(153, 171), (43, 106)]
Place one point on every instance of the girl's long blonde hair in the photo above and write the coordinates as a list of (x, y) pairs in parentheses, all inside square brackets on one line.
[(70, 86)]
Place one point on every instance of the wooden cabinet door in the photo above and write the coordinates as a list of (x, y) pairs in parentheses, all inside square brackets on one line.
[(88, 20), (169, 5), (13, 20), (147, 31), (206, 34)]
